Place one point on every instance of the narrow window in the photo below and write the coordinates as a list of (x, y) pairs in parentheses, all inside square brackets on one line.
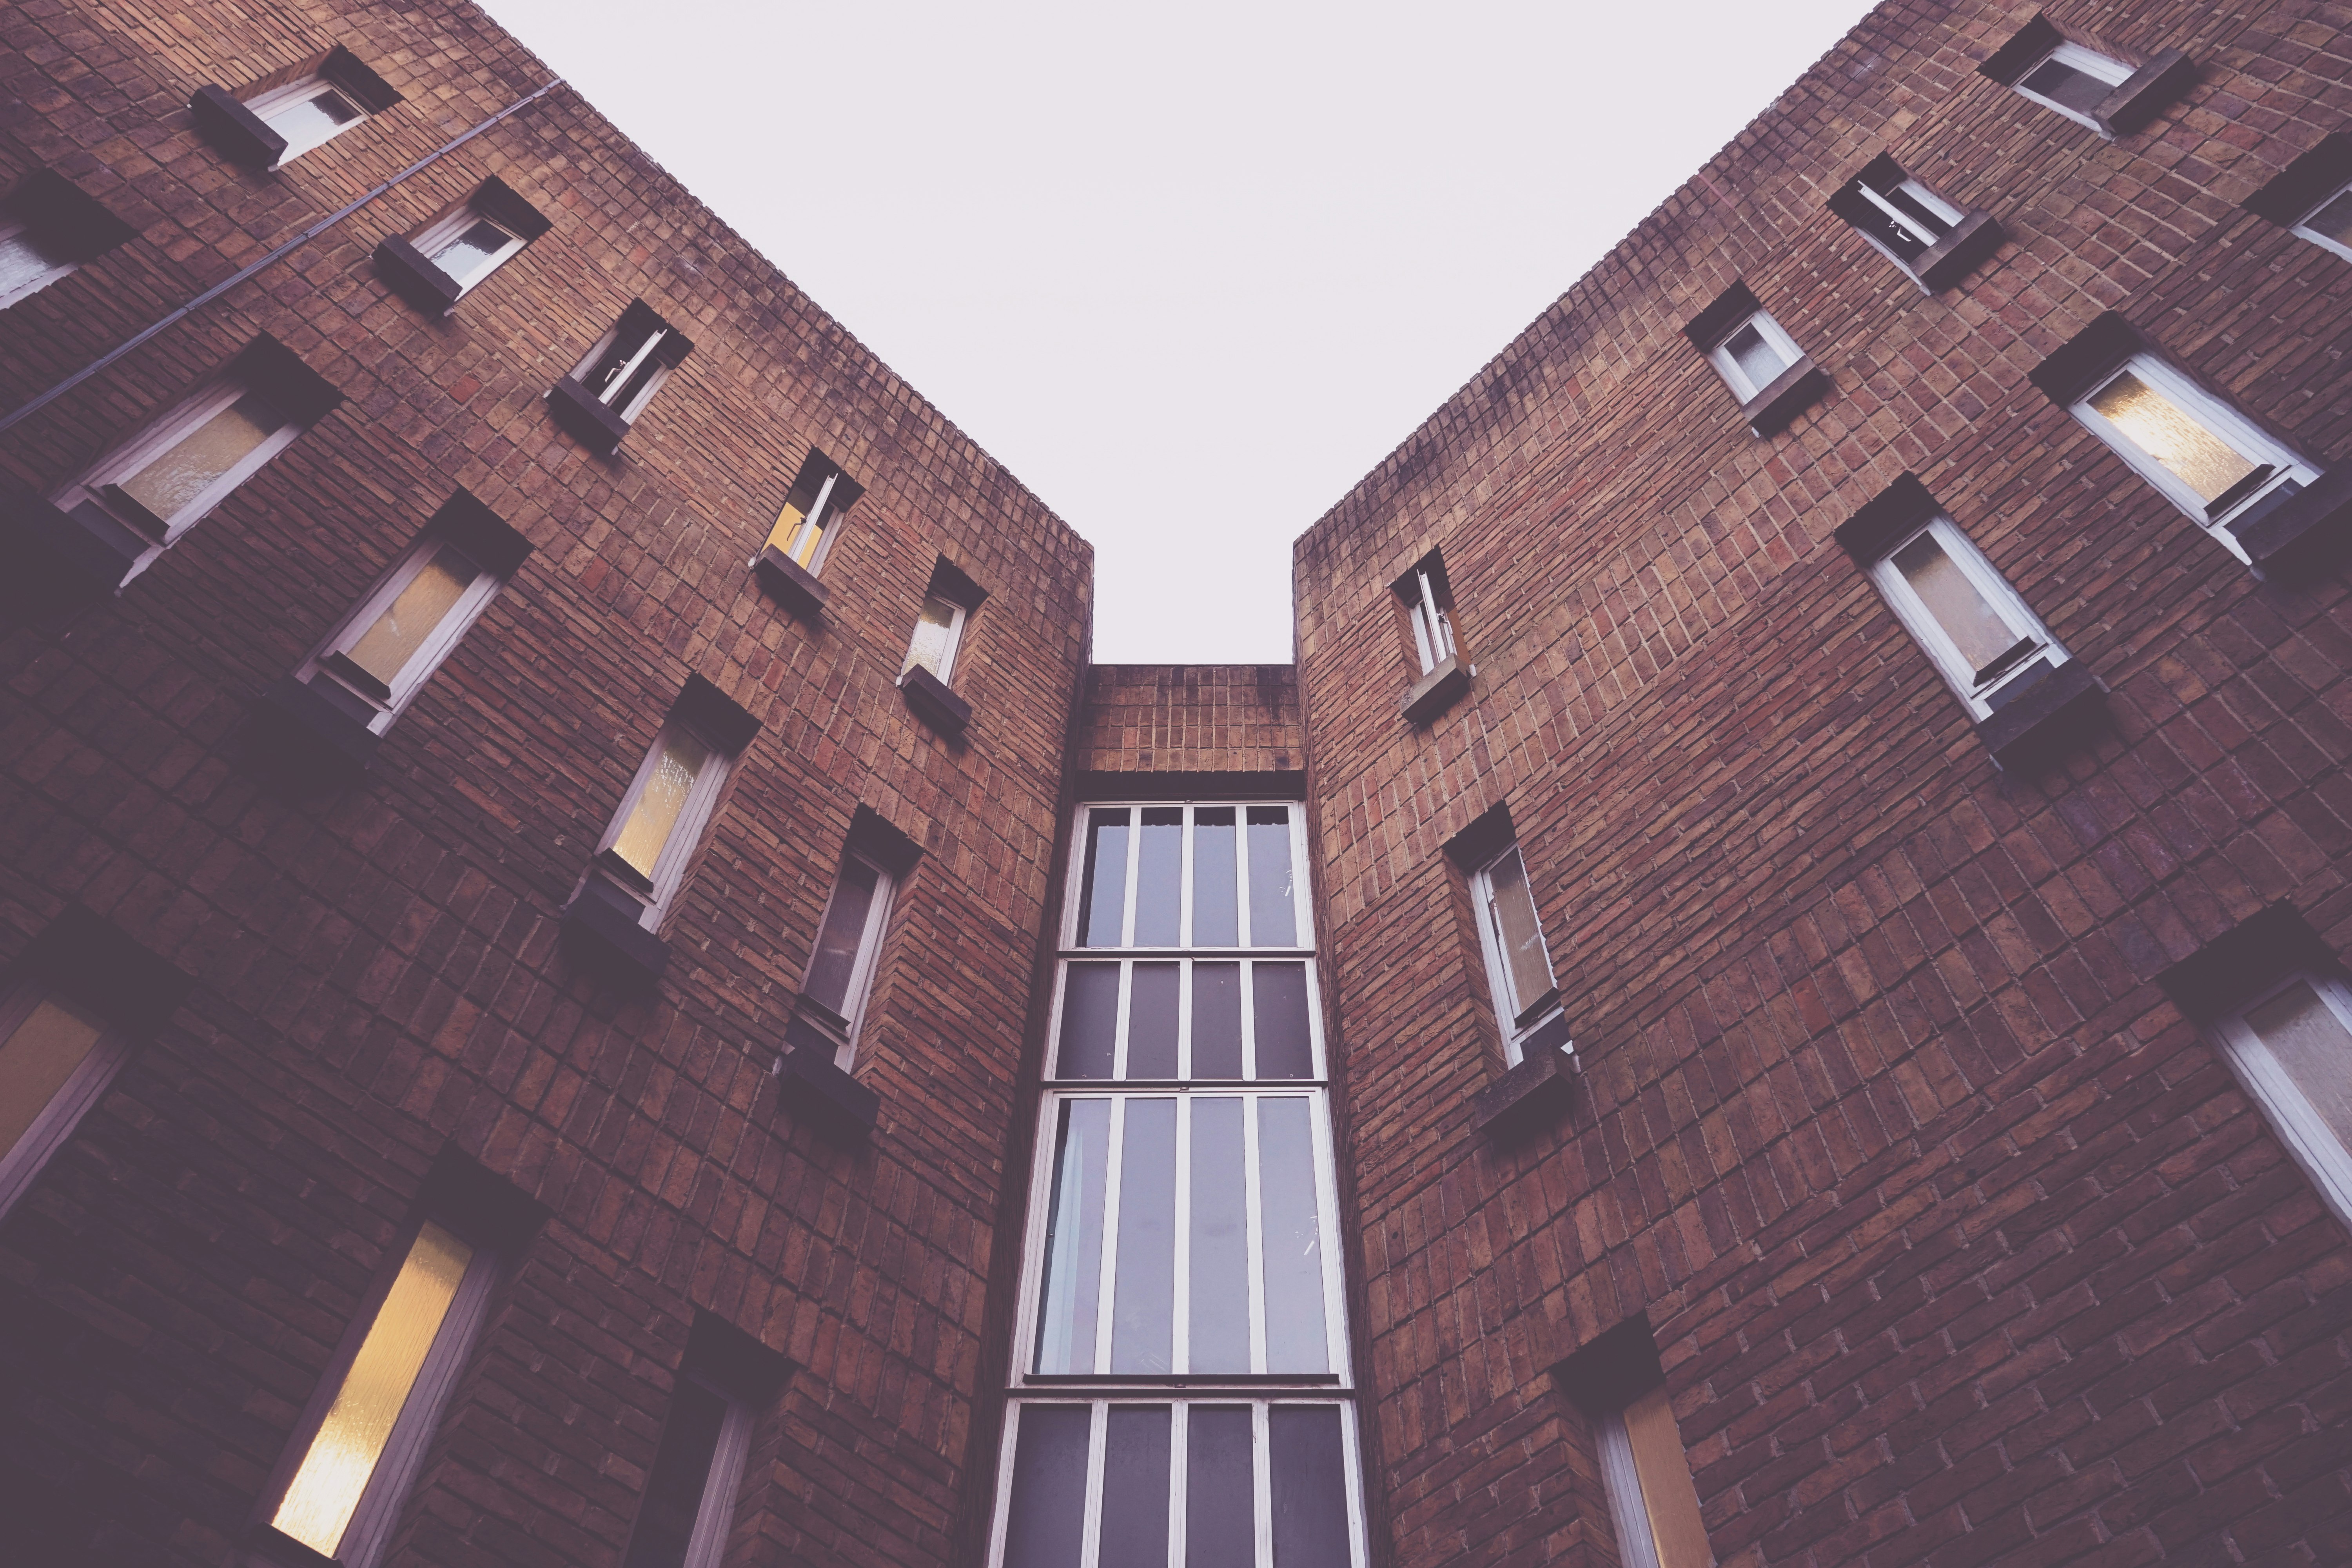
[(2074, 81), (57, 1054), (848, 950), (1646, 1473), (1931, 240), (631, 362), (1428, 604), (363, 1440), (2291, 1047), (1518, 962), (804, 528), (2329, 224), (690, 1495), (307, 113), (49, 226), (1754, 355), (1985, 642), (2211, 462), (641, 862), (937, 631)]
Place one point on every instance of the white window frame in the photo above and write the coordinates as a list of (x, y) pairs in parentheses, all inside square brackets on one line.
[(277, 99), (17, 229), (1179, 1449), (436, 646), (868, 960), (2091, 63), (161, 434), (1510, 1009), (714, 1516), (946, 671), (637, 405), (2314, 1144), (388, 1485), (48, 1133), (1772, 333), (686, 835), (1432, 628), (2219, 419), (1128, 958), (2302, 227), (815, 517), (444, 231), (1302, 912), (1957, 671), (1953, 217)]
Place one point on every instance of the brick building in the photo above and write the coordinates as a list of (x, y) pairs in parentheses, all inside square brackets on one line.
[(592, 975)]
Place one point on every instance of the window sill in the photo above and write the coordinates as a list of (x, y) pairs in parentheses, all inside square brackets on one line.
[(2290, 536), (1960, 253), (236, 132), (81, 554), (788, 583), (275, 1545), (1798, 388), (600, 926), (933, 702), (1533, 1093), (819, 1092), (2146, 93), (307, 737), (2051, 717), (414, 278), (1437, 690), (577, 410)]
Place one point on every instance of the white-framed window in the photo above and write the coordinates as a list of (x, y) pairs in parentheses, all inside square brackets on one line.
[(689, 1501), (165, 479), (467, 244), (1200, 875), (848, 948), (1231, 1482), (1645, 1472), (806, 522), (57, 1055), (630, 363), (358, 1446), (2291, 1047), (2328, 224), (653, 835), (380, 656), (1900, 217), (937, 630), (1982, 637), (1753, 354), (1428, 601), (27, 266), (2208, 460), (1519, 961), (2073, 80), (307, 113), (1217, 1019)]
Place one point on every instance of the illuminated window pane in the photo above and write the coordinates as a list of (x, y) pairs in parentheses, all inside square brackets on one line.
[(931, 637), (385, 647), (2152, 423), (795, 534), (1511, 905), (663, 797), (1974, 626), (1669, 1500), (2312, 1046), (2334, 220), (335, 1471), (38, 1058), (169, 482)]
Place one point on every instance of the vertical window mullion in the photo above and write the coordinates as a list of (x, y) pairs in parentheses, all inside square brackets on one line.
[(1114, 1158), (1254, 1224)]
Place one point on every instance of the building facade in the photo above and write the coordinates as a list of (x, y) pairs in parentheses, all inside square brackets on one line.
[(593, 975)]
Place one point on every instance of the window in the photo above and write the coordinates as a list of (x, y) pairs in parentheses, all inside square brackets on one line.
[(937, 630), (1900, 217), (806, 524), (2291, 1047), (366, 1434), (848, 948), (2074, 81), (307, 113), (1429, 611), (57, 1054), (2329, 224), (1519, 964), (645, 851), (29, 261), (1986, 643), (630, 363), (690, 1495), (1646, 1473), (1754, 355), (1191, 876), (2212, 463)]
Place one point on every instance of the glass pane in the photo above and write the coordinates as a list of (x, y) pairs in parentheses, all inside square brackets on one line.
[(21, 262), (1045, 1516), (1216, 1020), (833, 965), (335, 1471), (1073, 1237), (1309, 1486), (385, 647), (1159, 876), (2334, 220), (308, 122), (1220, 1492), (1295, 1338), (1216, 911), (659, 804), (1151, 1021), (171, 481), (1975, 627), (1143, 1315), (471, 251), (1274, 914), (2152, 423), (1089, 1021), (932, 631), (1512, 908), (1758, 360), (1220, 1271), (681, 1471), (38, 1058), (2303, 1033), (2064, 84), (1102, 898), (1134, 1532), (1278, 1008)]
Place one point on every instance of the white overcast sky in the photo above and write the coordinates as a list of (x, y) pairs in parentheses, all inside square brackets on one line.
[(1188, 271)]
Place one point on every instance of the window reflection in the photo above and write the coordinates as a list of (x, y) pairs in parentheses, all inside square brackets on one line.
[(2203, 462)]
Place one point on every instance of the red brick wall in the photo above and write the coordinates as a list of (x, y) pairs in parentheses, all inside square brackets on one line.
[(1191, 719), (1960, 1242)]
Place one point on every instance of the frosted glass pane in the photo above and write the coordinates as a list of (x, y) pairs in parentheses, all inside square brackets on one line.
[(932, 637), (2151, 422), (38, 1058), (1972, 624), (1074, 1239), (1089, 1021), (1216, 917), (681, 1473), (1758, 360), (1309, 1486), (1220, 1271), (1511, 905), (2303, 1034), (1102, 899), (1216, 1020), (2334, 220), (1220, 1493), (1273, 911), (21, 262), (335, 1471), (659, 803), (1151, 1021), (2064, 84), (385, 647), (1278, 1008), (471, 251), (1159, 877), (172, 481), (1134, 1532), (1143, 1325), (1045, 1516), (833, 965), (308, 122), (1294, 1337)]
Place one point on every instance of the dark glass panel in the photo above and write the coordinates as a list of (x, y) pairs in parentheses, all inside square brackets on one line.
[(1089, 1021), (1045, 1516), (1309, 1486), (681, 1470), (1220, 1500), (1216, 1020), (1102, 895), (1278, 1006), (1151, 1021), (1134, 1532)]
